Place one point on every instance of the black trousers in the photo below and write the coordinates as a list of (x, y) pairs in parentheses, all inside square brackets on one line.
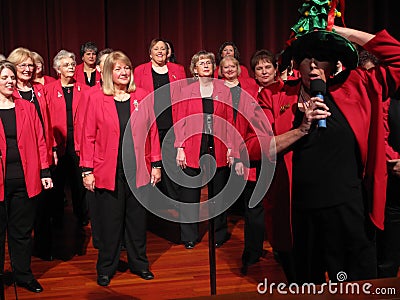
[(21, 216), (167, 185), (120, 212), (334, 239), (254, 227), (388, 241), (68, 170), (93, 211), (190, 231)]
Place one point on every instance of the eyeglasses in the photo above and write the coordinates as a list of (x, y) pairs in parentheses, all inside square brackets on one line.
[(73, 64), (204, 63), (23, 66)]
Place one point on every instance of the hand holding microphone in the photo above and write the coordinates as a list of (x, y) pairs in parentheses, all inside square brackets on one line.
[(318, 89)]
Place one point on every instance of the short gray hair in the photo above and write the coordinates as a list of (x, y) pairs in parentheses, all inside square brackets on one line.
[(61, 55)]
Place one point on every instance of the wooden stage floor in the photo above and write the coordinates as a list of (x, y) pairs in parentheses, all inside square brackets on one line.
[(179, 273)]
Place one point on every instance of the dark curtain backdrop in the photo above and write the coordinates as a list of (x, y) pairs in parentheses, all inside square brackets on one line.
[(47, 26)]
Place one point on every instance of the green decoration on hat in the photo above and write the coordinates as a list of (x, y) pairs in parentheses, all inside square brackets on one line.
[(314, 36)]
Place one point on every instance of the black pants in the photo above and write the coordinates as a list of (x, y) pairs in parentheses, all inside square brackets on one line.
[(388, 241), (21, 216), (335, 239), (190, 231), (254, 227), (43, 224), (117, 212), (68, 169), (167, 185)]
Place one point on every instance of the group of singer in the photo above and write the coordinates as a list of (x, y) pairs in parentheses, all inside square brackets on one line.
[(121, 136)]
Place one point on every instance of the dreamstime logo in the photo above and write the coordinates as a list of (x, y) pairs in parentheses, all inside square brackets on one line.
[(341, 276), (185, 128), (333, 288)]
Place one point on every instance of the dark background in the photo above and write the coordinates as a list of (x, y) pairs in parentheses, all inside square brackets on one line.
[(47, 26)]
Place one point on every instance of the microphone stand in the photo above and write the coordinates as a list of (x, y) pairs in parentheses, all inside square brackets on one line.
[(211, 237)]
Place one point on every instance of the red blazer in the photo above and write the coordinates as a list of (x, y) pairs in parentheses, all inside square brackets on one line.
[(58, 112), (243, 74), (80, 76), (390, 152), (100, 137), (80, 115), (31, 146), (359, 98), (246, 124), (48, 79), (176, 73), (48, 133), (189, 132)]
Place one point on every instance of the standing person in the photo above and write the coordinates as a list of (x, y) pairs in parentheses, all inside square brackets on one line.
[(245, 89), (39, 75), (229, 49), (121, 109), (24, 171), (163, 77), (79, 120), (63, 97), (31, 91), (265, 67), (86, 72), (388, 247), (204, 102), (336, 174), (171, 57)]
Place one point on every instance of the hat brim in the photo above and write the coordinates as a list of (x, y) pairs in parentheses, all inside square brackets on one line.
[(325, 46)]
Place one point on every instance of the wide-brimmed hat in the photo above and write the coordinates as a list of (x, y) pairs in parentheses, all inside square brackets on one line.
[(313, 36)]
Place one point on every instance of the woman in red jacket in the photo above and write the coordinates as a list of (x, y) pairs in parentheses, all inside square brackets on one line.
[(27, 89), (246, 89), (163, 77), (120, 116), (205, 118), (335, 176), (86, 72), (39, 75), (24, 172), (63, 97)]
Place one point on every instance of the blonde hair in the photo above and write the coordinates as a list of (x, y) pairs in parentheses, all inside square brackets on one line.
[(225, 59), (109, 63), (203, 54), (37, 57), (18, 55)]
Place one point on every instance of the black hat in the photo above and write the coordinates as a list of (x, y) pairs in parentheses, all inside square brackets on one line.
[(313, 36)]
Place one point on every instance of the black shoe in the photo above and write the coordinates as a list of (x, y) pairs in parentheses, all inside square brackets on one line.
[(103, 280), (32, 286), (243, 269), (189, 245), (219, 244), (144, 274)]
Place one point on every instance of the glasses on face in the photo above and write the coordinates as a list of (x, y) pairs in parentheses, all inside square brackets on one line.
[(23, 66), (204, 63), (66, 65)]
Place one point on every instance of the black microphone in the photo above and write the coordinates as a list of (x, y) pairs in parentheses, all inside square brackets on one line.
[(318, 89)]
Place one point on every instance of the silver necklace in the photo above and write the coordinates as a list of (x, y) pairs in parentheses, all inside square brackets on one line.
[(32, 95)]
